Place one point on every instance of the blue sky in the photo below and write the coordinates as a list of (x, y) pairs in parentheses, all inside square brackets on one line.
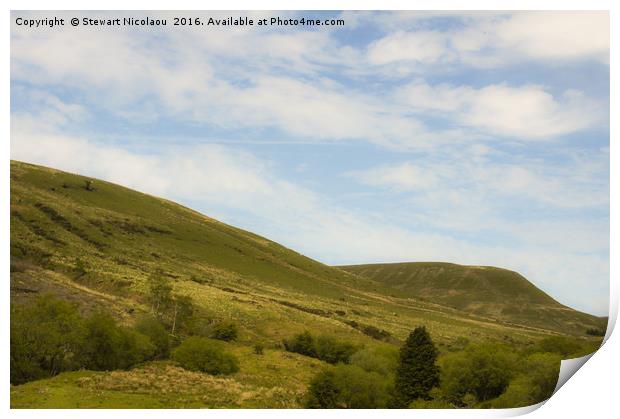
[(475, 138)]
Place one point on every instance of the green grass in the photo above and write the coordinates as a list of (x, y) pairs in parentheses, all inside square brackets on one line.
[(484, 290), (121, 237)]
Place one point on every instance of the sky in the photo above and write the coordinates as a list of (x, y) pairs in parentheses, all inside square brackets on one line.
[(472, 137)]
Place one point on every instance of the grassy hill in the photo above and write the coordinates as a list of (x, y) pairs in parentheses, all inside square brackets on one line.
[(97, 243), (483, 290)]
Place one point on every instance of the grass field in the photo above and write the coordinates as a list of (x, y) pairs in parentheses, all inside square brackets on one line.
[(97, 244)]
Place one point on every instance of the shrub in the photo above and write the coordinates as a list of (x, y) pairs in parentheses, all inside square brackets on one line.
[(134, 348), (383, 359), (47, 337), (325, 348), (595, 332), (481, 370), (302, 343), (258, 349), (567, 347), (205, 355), (226, 331), (543, 371), (152, 328), (108, 346), (535, 384), (348, 386), (323, 392), (102, 345), (417, 372), (331, 350)]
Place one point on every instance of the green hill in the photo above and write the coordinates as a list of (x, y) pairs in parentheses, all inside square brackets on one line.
[(97, 244), (482, 290)]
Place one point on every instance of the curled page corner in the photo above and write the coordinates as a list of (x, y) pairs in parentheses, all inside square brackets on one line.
[(568, 368)]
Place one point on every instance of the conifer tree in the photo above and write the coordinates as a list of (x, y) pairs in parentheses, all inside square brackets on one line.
[(417, 372)]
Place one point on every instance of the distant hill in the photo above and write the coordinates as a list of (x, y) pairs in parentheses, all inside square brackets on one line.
[(483, 290)]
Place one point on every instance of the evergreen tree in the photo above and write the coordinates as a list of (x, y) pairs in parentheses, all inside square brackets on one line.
[(417, 372)]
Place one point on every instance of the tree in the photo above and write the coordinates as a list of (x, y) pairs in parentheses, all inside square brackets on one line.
[(47, 338), (417, 372), (482, 371), (323, 392), (182, 311), (330, 349), (149, 326), (160, 293)]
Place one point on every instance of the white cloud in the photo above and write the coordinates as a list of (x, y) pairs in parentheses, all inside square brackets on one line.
[(488, 40), (401, 177), (240, 78), (526, 112)]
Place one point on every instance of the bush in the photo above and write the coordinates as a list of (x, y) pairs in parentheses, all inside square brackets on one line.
[(47, 337), (134, 348), (302, 343), (595, 332), (226, 331), (323, 392), (567, 347), (152, 328), (258, 349), (205, 355), (348, 386), (383, 359), (325, 348), (108, 346), (331, 350), (483, 371)]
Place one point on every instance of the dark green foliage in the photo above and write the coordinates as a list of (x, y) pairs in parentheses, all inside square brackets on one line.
[(567, 347), (331, 350), (302, 343), (417, 372), (323, 392), (481, 371), (46, 339), (79, 268), (348, 386), (102, 343), (134, 348), (205, 355), (323, 347), (535, 384), (226, 331), (543, 370), (49, 336), (258, 349), (108, 346), (152, 328), (383, 360), (595, 332)]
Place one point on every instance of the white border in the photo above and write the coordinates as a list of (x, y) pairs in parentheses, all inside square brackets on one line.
[(592, 392)]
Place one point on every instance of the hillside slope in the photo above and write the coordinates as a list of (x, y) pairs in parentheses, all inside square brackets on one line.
[(98, 243), (483, 290)]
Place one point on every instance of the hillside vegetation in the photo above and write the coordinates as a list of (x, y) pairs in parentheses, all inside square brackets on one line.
[(106, 248), (484, 290)]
